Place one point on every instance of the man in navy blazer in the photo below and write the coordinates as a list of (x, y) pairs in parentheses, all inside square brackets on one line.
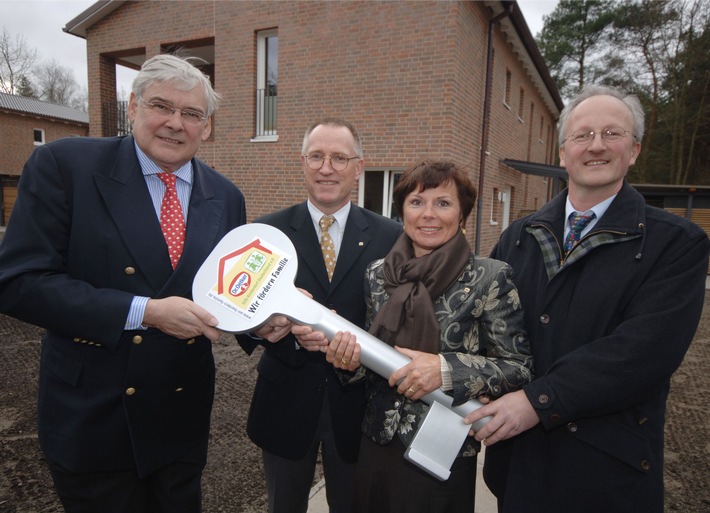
[(299, 405), (127, 372)]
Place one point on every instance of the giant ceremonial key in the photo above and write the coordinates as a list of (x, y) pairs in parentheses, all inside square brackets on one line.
[(249, 276)]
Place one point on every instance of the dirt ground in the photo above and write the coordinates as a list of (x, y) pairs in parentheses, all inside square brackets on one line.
[(233, 480)]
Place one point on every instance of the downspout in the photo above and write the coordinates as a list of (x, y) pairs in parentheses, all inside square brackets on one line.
[(486, 114)]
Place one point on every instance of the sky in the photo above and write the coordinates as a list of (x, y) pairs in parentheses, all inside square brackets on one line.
[(40, 23)]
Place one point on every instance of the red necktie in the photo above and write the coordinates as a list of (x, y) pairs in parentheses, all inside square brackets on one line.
[(172, 221)]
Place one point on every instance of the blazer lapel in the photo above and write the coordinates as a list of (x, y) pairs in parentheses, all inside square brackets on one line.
[(129, 204), (203, 223), (355, 241), (306, 242)]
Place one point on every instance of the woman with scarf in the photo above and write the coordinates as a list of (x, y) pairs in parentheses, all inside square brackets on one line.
[(457, 316)]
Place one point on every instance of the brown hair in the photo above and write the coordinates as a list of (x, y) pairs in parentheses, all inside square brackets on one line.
[(430, 175)]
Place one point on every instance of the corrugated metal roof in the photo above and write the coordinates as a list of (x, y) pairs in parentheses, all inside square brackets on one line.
[(26, 105)]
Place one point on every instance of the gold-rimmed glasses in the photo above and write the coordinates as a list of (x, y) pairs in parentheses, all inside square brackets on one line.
[(162, 109), (338, 161)]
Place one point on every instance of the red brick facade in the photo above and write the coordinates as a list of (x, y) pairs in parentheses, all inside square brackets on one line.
[(17, 143), (17, 136), (409, 75)]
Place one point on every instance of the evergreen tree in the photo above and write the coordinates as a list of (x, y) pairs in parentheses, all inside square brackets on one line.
[(24, 87), (569, 42)]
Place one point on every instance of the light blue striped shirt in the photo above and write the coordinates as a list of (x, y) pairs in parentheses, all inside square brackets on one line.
[(156, 188)]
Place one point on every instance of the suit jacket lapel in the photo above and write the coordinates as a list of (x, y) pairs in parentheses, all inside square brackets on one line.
[(203, 223), (126, 195), (129, 203), (355, 240), (307, 245)]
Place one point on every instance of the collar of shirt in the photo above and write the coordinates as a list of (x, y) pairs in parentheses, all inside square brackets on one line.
[(599, 209), (336, 229), (156, 187)]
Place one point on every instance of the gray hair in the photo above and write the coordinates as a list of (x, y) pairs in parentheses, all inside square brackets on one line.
[(631, 101), (334, 122), (179, 71)]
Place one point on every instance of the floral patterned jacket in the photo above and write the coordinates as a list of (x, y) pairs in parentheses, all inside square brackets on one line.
[(482, 339)]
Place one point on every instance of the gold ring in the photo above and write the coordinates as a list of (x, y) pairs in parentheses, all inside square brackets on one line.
[(345, 362), (410, 390)]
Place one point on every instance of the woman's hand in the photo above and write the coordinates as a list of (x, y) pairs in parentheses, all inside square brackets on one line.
[(419, 377), (344, 351)]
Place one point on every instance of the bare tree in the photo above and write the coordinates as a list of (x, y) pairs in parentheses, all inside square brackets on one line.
[(80, 100), (16, 60), (55, 83)]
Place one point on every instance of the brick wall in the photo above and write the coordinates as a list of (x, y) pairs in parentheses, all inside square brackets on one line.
[(17, 136), (409, 75)]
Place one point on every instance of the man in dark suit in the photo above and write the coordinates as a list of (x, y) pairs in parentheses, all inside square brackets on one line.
[(299, 405), (127, 372), (610, 310)]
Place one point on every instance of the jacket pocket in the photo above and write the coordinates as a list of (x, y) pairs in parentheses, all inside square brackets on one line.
[(64, 367), (616, 439)]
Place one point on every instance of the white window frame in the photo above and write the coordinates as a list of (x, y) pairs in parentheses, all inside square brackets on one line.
[(263, 135), (387, 185), (41, 131)]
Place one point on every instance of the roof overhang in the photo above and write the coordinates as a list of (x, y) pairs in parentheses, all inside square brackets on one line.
[(518, 35), (537, 169), (96, 12), (668, 189)]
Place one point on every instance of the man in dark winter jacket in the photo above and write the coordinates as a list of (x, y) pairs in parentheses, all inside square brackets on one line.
[(612, 291)]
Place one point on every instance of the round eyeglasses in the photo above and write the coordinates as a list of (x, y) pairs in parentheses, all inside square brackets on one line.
[(165, 110), (338, 161), (610, 134)]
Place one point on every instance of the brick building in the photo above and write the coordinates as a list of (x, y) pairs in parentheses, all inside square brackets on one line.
[(457, 80), (24, 124)]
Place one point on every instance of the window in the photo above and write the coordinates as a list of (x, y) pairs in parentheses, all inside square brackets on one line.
[(267, 79), (500, 207), (38, 136), (508, 79), (521, 104), (375, 191)]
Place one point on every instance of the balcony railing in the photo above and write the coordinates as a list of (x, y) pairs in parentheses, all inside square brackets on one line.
[(115, 119), (266, 107)]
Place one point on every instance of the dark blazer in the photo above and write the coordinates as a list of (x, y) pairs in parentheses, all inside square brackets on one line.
[(83, 240), (607, 330), (292, 381)]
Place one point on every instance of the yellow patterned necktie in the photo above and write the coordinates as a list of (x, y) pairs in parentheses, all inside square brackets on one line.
[(326, 245)]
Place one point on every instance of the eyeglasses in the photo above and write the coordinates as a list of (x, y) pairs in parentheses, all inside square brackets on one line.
[(165, 110), (338, 162), (610, 134)]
